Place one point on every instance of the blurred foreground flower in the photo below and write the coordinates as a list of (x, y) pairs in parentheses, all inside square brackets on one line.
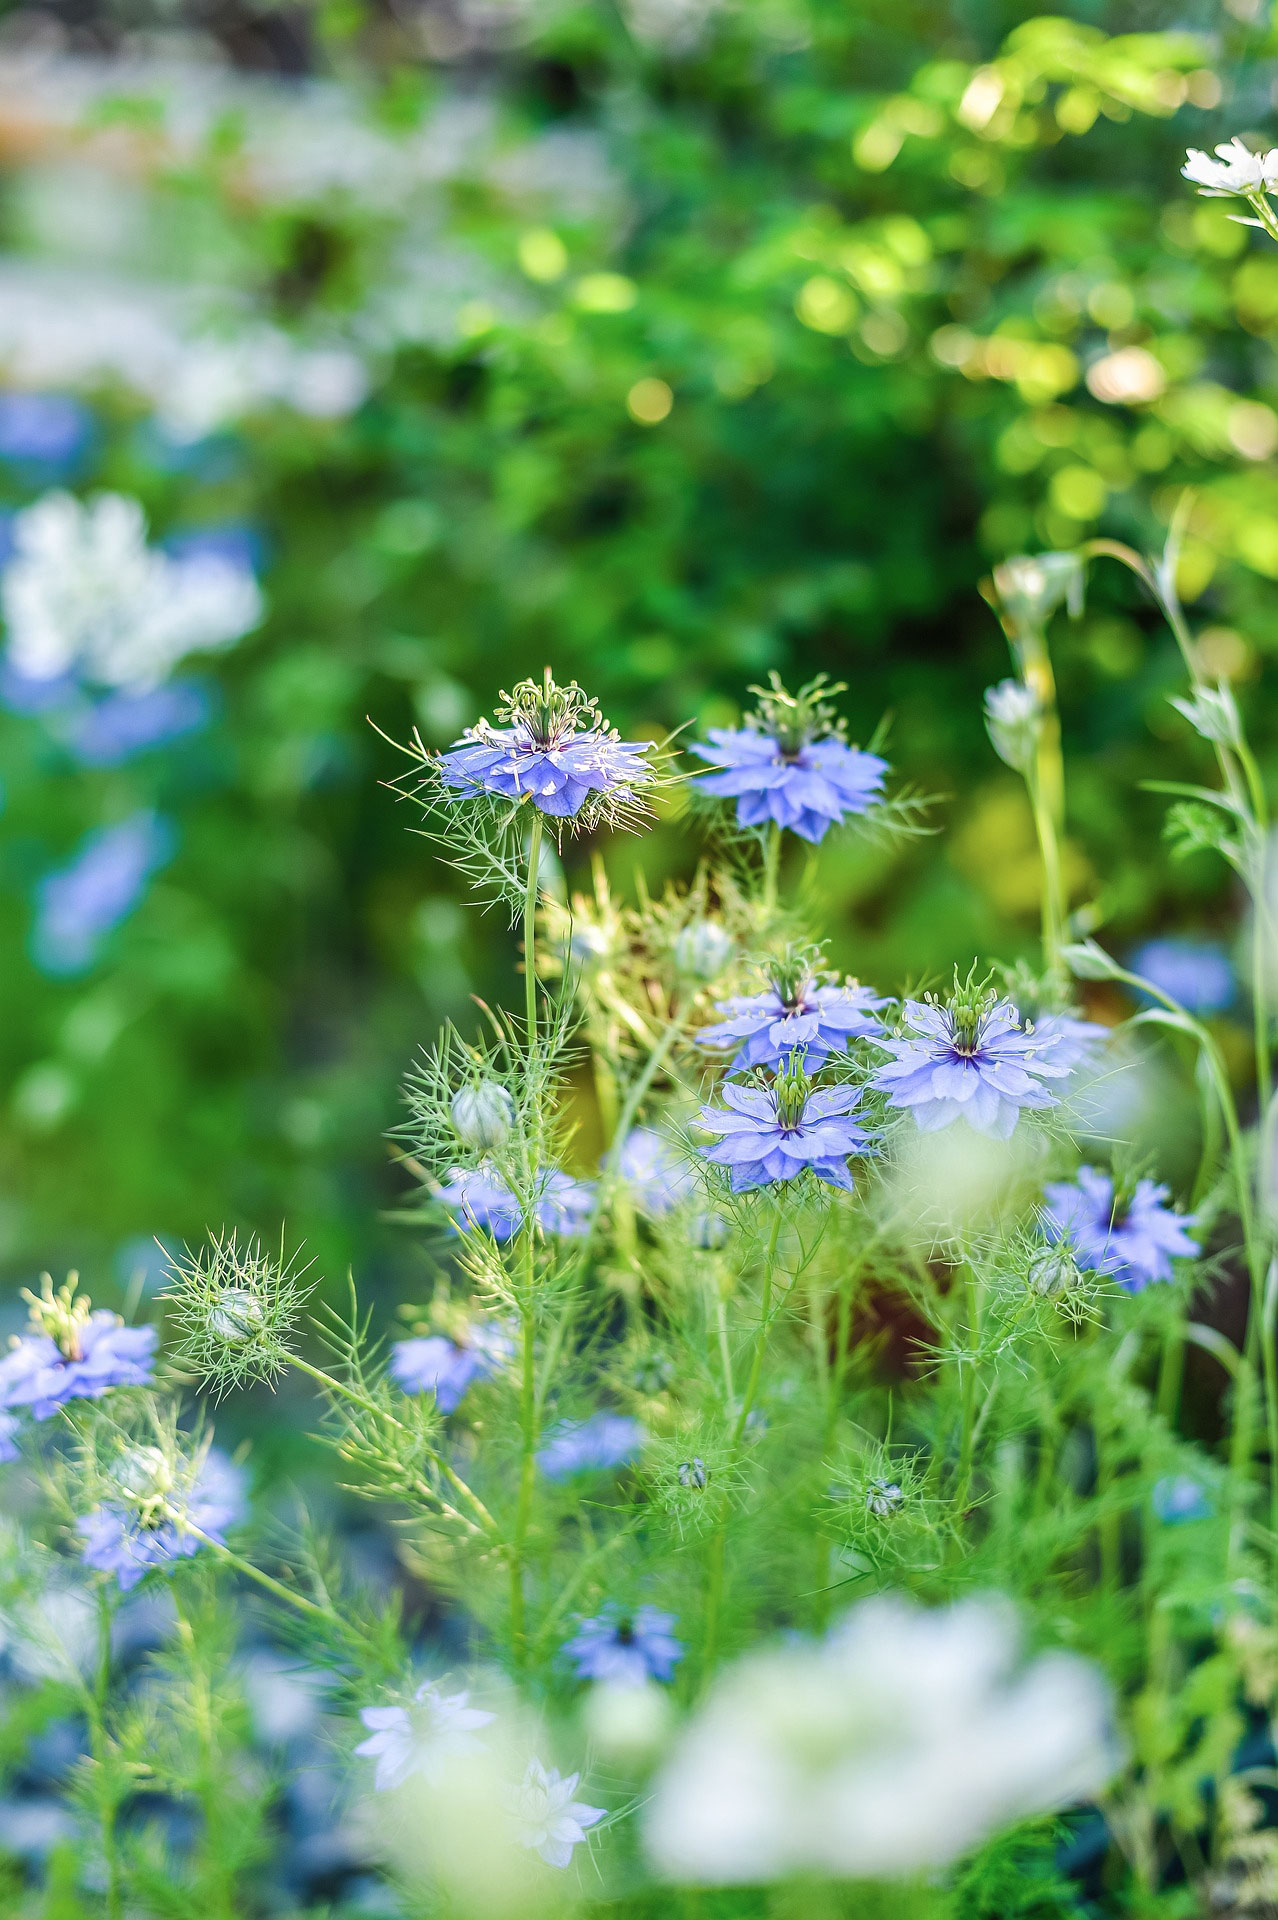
[(651, 1167), (789, 766), (884, 1751), (1130, 1237), (484, 1199), (424, 1738)]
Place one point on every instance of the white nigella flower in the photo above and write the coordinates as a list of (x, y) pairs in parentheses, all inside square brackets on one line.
[(547, 1819), (884, 1751), (1012, 717), (420, 1739), (85, 594), (1235, 170)]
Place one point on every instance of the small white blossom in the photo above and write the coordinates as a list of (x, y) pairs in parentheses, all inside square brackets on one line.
[(547, 1819), (884, 1751), (85, 594), (1236, 170), (422, 1739)]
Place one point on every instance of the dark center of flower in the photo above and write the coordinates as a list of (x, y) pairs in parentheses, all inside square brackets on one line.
[(625, 1633)]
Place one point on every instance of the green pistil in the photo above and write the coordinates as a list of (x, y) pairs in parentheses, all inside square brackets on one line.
[(59, 1315), (794, 719), (548, 713), (792, 1088)]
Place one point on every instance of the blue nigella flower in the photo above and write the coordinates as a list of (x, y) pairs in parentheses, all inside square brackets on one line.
[(800, 1012), (484, 1199), (790, 765), (80, 904), (10, 1427), (113, 729), (1071, 1040), (1178, 1498), (49, 431), (775, 1133), (72, 1353), (449, 1368), (129, 1536), (556, 752), (1195, 973), (625, 1648), (972, 1060), (589, 1446), (1130, 1237), (656, 1174)]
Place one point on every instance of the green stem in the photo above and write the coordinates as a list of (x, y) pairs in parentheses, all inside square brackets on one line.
[(100, 1749), (969, 1383), (220, 1887), (228, 1556), (530, 929), (527, 1481), (761, 1338), (771, 867), (367, 1404)]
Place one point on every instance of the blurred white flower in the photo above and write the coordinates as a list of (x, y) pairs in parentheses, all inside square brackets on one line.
[(1235, 170), (84, 594), (425, 1738), (548, 1821), (1013, 717), (884, 1751)]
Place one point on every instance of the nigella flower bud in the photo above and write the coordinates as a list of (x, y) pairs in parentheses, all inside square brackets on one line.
[(1013, 717), (483, 1114), (694, 1473), (237, 1316), (703, 949), (1053, 1271), (884, 1498)]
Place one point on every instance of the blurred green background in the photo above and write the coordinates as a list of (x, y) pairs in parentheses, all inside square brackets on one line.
[(696, 340)]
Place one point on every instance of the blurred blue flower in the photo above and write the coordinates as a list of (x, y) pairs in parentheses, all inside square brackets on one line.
[(657, 1175), (1068, 1039), (130, 1536), (548, 1821), (422, 1738), (588, 1446), (99, 1352), (235, 541), (80, 904), (970, 1061), (113, 729), (557, 753), (775, 1133), (49, 431), (770, 1026), (484, 1199), (1178, 1498), (30, 693), (448, 1368), (10, 1427), (1195, 973), (1129, 1238), (625, 1648)]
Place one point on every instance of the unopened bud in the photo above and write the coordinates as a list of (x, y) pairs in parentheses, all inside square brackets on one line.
[(237, 1316), (703, 949), (694, 1473), (1012, 720), (483, 1115), (1053, 1271), (883, 1498)]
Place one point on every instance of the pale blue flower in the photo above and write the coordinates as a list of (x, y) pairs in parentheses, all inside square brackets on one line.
[(1129, 1238), (41, 1376), (604, 1441), (424, 1738), (792, 1017), (128, 1537), (775, 1133), (548, 1821), (1195, 973), (482, 1197), (625, 1648), (971, 1061), (656, 1174), (79, 904), (557, 752), (449, 1368)]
